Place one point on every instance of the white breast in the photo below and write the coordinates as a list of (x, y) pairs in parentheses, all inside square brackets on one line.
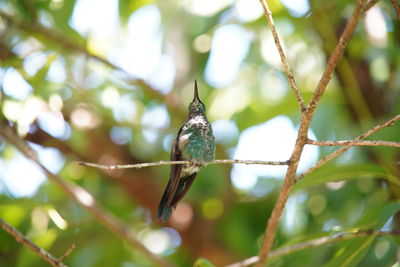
[(183, 140)]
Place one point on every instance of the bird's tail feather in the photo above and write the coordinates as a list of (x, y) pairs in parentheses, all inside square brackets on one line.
[(167, 204), (164, 212), (183, 187), (164, 208)]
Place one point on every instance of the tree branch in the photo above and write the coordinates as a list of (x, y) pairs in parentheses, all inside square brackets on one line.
[(84, 198), (336, 153), (353, 143), (336, 55), (285, 64), (68, 252), (370, 4), (160, 163), (315, 243), (396, 6), (271, 227), (20, 238)]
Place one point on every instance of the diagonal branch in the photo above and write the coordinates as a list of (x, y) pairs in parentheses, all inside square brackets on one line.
[(336, 55), (353, 143), (271, 227), (83, 198), (19, 237), (336, 153), (369, 5), (315, 243), (285, 64), (160, 163), (396, 6), (68, 252)]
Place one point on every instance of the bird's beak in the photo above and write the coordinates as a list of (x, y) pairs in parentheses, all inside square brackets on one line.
[(196, 91)]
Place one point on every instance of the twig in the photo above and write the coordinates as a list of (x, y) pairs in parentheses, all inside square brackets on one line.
[(271, 227), (160, 163), (314, 243), (370, 4), (68, 252), (131, 166), (20, 238), (84, 198), (396, 6), (336, 55), (247, 162), (353, 143), (336, 153), (285, 64)]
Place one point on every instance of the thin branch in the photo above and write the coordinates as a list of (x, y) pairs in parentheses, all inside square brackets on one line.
[(396, 6), (336, 55), (131, 166), (285, 64), (20, 238), (247, 162), (370, 4), (160, 163), (271, 227), (353, 143), (68, 252), (84, 198), (341, 150), (315, 243)]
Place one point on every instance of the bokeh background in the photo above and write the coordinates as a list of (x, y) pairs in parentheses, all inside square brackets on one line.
[(110, 81)]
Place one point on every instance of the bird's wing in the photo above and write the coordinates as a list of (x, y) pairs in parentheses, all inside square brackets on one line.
[(183, 187), (176, 169), (165, 207)]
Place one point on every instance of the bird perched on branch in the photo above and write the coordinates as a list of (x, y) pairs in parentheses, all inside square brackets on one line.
[(195, 143)]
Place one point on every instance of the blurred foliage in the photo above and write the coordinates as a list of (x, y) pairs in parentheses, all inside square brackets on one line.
[(87, 109)]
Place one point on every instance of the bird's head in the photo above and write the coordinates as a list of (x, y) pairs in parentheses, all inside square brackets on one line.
[(197, 107)]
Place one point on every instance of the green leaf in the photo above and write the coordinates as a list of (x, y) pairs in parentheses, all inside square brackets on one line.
[(387, 212), (351, 253), (38, 80), (340, 173), (46, 239), (62, 15), (13, 214), (127, 7), (201, 262)]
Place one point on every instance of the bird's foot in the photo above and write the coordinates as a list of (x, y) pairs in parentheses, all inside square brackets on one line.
[(196, 163)]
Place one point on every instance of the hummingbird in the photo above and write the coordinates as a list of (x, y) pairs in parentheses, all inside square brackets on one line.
[(195, 142)]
